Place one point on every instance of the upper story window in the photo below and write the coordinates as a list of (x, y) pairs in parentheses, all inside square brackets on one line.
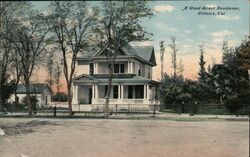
[(139, 70), (119, 68), (91, 68)]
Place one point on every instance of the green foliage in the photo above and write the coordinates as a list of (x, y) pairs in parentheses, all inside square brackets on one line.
[(177, 90), (202, 73), (173, 54), (233, 104), (60, 97), (33, 102), (6, 89)]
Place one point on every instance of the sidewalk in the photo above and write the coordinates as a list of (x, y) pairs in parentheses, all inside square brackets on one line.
[(158, 115)]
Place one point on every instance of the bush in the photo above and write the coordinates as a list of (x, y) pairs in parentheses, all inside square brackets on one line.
[(233, 104), (33, 100), (62, 97)]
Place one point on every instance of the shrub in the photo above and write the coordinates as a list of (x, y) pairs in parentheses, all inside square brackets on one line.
[(33, 100), (62, 97), (233, 104)]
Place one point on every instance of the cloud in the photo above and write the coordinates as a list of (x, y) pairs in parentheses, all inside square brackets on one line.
[(210, 5), (164, 27), (144, 43), (228, 18), (164, 8), (221, 33)]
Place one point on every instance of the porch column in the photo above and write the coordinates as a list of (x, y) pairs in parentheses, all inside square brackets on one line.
[(129, 67), (93, 91), (96, 92), (75, 94), (96, 67), (148, 92), (145, 92), (121, 91)]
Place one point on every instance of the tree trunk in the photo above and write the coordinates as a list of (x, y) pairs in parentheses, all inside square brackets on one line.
[(69, 99), (27, 84), (106, 108), (16, 98)]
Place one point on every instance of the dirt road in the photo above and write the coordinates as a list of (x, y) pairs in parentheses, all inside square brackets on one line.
[(122, 138)]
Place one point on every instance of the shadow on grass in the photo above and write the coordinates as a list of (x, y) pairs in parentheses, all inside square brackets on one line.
[(24, 128)]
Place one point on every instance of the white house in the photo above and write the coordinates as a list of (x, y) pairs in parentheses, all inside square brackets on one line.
[(132, 84), (41, 90)]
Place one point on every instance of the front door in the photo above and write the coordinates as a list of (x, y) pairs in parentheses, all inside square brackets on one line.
[(90, 95)]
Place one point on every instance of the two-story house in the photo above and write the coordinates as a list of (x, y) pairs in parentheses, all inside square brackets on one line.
[(132, 83)]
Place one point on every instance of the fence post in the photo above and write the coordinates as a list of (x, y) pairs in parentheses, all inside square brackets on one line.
[(182, 106), (54, 111)]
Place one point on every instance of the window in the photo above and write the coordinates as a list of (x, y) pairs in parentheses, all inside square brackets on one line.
[(91, 68), (118, 68), (121, 68), (115, 92), (139, 70), (106, 90), (130, 92), (139, 91)]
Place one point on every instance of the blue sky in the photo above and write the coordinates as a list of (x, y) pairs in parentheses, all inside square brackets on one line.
[(191, 30)]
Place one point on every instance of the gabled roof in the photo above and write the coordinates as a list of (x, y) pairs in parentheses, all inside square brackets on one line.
[(35, 88), (84, 77), (144, 53)]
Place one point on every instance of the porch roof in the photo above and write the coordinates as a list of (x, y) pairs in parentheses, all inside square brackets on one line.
[(87, 79)]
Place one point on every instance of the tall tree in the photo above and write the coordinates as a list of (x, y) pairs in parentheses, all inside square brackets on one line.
[(120, 24), (57, 75), (30, 41), (16, 72), (180, 68), (7, 51), (228, 55), (202, 72), (72, 23), (173, 54), (50, 67)]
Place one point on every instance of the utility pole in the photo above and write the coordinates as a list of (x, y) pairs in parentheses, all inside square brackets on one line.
[(162, 50)]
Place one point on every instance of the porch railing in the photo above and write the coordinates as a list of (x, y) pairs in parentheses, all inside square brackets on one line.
[(121, 101)]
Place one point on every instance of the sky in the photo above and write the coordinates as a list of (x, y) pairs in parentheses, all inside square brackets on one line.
[(181, 19)]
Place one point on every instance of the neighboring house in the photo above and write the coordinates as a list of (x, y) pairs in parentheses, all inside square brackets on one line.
[(132, 84), (41, 90)]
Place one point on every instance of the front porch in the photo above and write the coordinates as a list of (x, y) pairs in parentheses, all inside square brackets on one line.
[(92, 97)]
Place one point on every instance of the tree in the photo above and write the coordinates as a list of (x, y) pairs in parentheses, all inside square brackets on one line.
[(71, 23), (30, 41), (228, 55), (7, 51), (50, 67), (202, 72), (180, 68), (57, 75), (119, 25), (173, 54)]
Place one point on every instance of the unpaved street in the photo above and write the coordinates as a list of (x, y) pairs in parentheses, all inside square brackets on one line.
[(122, 138)]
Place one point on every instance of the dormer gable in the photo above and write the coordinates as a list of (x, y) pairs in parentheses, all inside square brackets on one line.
[(121, 52)]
